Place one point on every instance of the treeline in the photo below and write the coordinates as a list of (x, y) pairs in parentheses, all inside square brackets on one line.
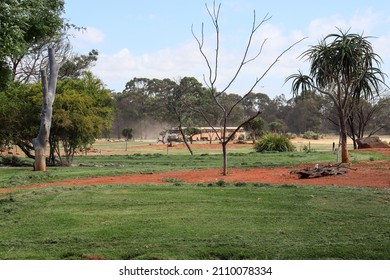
[(148, 107), (85, 110)]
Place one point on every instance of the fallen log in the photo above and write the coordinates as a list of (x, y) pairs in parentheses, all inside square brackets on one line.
[(320, 171)]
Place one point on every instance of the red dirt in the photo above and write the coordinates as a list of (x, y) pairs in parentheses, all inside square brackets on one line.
[(373, 174)]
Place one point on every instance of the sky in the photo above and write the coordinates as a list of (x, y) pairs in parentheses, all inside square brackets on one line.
[(153, 39)]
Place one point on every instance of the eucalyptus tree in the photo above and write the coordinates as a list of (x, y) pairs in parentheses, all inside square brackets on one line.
[(211, 79), (77, 64), (344, 67), (49, 85), (256, 128), (186, 93), (365, 118), (305, 113), (82, 110), (28, 27)]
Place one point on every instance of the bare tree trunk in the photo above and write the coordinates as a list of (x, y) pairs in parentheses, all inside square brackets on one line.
[(224, 152), (343, 138), (344, 147), (48, 91), (185, 140)]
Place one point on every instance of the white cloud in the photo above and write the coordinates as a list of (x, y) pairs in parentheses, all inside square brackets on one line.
[(88, 36), (116, 69), (361, 22)]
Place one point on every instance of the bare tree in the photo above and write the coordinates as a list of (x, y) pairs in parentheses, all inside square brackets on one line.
[(48, 91), (363, 120), (213, 75)]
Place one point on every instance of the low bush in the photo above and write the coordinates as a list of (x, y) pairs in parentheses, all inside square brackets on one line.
[(291, 135), (11, 161), (274, 143), (311, 135)]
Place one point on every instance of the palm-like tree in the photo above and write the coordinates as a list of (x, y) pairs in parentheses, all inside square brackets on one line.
[(345, 68)]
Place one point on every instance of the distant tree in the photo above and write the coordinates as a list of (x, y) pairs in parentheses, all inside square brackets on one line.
[(212, 63), (303, 113), (187, 91), (127, 133), (77, 64), (256, 128), (191, 132), (363, 120), (381, 118), (135, 105), (276, 126), (345, 68)]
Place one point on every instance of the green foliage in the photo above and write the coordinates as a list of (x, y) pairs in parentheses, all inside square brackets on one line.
[(11, 160), (291, 135), (311, 135), (275, 143), (127, 133), (190, 131), (276, 126), (82, 109), (28, 24), (255, 127), (74, 67), (20, 108)]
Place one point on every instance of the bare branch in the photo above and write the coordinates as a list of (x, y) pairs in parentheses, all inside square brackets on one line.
[(244, 59), (263, 75), (200, 42), (241, 125)]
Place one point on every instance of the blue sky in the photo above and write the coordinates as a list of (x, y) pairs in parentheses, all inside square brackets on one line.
[(153, 39)]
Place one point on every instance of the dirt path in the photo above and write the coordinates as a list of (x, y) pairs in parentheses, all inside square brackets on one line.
[(373, 174)]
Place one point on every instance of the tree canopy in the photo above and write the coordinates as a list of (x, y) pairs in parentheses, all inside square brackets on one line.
[(27, 25)]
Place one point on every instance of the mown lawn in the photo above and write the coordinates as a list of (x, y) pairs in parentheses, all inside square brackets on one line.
[(200, 221)]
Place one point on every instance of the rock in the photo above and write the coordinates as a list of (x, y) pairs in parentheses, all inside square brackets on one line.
[(371, 142)]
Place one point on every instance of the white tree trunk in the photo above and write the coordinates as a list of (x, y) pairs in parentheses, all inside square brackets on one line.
[(48, 91)]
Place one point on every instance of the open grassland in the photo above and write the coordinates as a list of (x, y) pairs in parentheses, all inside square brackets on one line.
[(113, 146), (200, 221)]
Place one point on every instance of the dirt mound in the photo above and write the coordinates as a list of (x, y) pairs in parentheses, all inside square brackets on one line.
[(371, 142)]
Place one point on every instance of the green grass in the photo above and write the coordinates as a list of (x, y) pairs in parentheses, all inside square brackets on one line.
[(191, 221), (203, 221), (98, 165)]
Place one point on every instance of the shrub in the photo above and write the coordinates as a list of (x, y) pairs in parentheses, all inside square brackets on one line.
[(291, 135), (11, 161), (221, 183), (311, 135), (274, 142)]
